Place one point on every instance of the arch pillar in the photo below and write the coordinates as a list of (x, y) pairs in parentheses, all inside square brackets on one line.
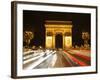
[(53, 40), (63, 40)]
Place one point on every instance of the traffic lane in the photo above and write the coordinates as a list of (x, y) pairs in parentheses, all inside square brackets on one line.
[(61, 61), (81, 57), (45, 63)]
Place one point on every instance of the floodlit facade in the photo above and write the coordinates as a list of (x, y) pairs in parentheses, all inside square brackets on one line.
[(58, 33)]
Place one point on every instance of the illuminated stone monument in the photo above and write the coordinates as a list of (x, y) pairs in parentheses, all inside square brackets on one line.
[(58, 30)]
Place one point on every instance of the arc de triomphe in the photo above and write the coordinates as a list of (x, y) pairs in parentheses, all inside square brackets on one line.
[(58, 28)]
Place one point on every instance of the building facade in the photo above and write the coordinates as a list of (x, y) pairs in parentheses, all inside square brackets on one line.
[(58, 34)]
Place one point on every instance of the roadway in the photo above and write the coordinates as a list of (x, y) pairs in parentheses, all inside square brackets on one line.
[(58, 59)]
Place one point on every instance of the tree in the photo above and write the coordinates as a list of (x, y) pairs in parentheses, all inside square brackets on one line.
[(28, 36), (85, 37)]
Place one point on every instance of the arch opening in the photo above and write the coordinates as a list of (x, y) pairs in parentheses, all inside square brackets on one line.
[(59, 41)]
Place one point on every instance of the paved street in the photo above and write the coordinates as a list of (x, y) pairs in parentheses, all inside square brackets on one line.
[(57, 59)]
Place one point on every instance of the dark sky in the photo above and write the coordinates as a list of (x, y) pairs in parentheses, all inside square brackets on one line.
[(35, 20)]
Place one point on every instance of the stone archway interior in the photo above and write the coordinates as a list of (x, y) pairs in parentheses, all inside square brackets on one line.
[(58, 41)]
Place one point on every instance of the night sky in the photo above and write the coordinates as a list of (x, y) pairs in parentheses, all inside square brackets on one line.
[(34, 21)]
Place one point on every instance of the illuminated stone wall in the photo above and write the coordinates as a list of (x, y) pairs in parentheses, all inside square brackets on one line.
[(53, 28)]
